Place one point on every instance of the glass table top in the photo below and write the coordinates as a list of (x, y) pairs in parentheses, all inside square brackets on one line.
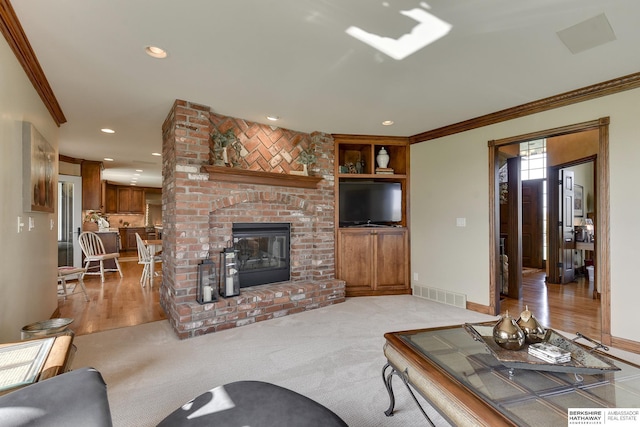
[(527, 397)]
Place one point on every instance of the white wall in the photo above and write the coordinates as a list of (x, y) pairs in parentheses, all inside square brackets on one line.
[(454, 183), (28, 259)]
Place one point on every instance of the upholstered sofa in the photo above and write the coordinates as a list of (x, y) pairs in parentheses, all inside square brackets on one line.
[(79, 398), (75, 398)]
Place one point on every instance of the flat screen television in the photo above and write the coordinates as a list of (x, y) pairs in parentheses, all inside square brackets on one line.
[(370, 202)]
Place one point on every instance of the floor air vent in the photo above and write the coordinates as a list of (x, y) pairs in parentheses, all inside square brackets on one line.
[(440, 295)]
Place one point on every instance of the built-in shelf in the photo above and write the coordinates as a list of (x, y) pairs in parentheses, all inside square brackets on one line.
[(244, 176)]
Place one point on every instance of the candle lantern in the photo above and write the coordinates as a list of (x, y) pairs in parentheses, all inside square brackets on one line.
[(207, 290), (229, 275)]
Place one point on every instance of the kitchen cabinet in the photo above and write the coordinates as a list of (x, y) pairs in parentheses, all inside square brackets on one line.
[(110, 198), (130, 200), (91, 185), (374, 260), (128, 237)]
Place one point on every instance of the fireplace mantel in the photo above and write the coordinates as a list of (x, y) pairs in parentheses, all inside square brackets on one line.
[(244, 176)]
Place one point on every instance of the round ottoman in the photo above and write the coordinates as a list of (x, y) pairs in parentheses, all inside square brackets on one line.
[(255, 404)]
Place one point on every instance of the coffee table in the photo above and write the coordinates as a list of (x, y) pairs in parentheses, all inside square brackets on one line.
[(468, 386)]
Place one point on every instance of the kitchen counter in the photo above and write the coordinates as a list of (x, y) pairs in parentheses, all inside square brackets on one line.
[(111, 243)]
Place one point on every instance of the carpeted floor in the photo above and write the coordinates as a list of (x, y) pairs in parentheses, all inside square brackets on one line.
[(332, 355)]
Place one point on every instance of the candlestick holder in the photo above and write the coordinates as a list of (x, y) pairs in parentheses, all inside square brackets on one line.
[(229, 274), (207, 290)]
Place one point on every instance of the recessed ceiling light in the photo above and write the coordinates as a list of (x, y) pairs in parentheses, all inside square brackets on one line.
[(156, 154), (108, 159), (138, 170), (387, 123), (273, 118), (107, 130), (155, 52)]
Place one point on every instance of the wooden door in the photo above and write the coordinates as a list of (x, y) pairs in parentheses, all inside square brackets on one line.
[(532, 233), (567, 245), (391, 260), (355, 249)]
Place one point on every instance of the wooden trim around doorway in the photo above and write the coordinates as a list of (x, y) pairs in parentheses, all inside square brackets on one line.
[(603, 269)]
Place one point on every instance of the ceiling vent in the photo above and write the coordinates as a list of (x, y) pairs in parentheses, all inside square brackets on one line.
[(587, 34)]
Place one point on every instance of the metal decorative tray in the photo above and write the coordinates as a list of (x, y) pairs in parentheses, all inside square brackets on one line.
[(583, 360)]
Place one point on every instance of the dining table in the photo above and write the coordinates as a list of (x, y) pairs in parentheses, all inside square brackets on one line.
[(154, 246)]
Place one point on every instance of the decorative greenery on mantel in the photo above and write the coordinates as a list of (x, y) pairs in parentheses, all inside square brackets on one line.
[(219, 150)]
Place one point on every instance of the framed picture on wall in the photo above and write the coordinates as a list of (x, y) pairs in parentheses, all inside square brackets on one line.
[(38, 171), (578, 200)]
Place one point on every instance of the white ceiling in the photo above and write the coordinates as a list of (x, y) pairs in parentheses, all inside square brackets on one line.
[(293, 58)]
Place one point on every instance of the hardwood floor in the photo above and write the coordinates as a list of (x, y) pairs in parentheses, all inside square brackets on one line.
[(570, 308), (117, 303), (122, 302)]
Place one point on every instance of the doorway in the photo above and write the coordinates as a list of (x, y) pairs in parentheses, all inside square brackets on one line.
[(69, 220), (601, 206)]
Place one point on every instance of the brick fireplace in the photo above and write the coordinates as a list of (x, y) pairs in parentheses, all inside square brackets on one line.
[(202, 202)]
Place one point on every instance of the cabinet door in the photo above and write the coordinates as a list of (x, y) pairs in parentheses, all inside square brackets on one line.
[(132, 243), (111, 199), (355, 248), (391, 260), (124, 199), (136, 203), (91, 185)]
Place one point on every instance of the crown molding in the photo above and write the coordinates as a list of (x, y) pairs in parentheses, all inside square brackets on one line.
[(610, 87), (17, 40)]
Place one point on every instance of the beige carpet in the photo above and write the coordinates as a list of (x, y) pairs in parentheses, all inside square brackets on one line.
[(332, 355)]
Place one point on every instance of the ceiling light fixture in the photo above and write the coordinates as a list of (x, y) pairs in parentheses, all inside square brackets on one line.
[(108, 159), (387, 123), (273, 118), (107, 130), (156, 154), (155, 52), (138, 170)]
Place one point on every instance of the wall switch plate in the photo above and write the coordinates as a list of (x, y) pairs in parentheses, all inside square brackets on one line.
[(20, 224), (32, 223), (415, 277), (461, 222)]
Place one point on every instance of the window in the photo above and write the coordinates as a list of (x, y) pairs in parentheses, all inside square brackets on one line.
[(533, 165)]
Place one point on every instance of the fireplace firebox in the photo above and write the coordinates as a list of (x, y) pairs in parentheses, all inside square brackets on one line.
[(263, 251)]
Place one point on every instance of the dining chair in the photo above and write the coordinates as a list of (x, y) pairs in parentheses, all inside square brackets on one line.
[(145, 258), (93, 250)]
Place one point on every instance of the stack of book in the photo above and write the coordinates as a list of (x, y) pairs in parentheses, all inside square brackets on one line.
[(549, 353), (384, 171)]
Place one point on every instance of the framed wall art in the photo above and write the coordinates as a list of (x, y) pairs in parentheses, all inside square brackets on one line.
[(578, 201), (38, 171)]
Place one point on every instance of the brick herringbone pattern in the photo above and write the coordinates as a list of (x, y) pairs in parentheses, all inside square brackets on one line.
[(264, 148)]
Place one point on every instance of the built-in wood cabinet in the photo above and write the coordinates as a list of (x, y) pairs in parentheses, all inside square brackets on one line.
[(373, 261), (130, 200), (110, 198), (91, 185), (128, 237)]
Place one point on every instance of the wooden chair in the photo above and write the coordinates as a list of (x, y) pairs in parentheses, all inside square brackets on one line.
[(69, 273), (145, 258), (93, 250)]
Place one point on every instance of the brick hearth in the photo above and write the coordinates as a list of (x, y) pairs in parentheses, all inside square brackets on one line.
[(199, 209)]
